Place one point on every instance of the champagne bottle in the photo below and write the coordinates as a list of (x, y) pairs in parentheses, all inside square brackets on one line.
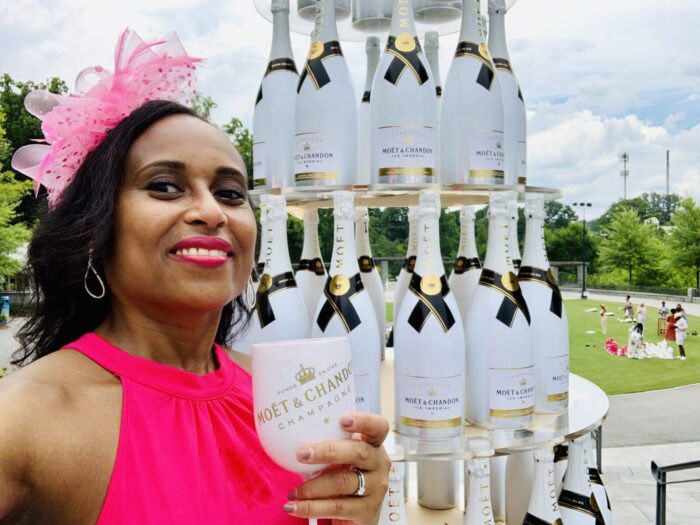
[(549, 326), (260, 265), (326, 114), (409, 262), (467, 268), (404, 107), (279, 311), (345, 308), (561, 460), (577, 503), (369, 274), (513, 241), (514, 117), (498, 340), (311, 274), (471, 129), (499, 466), (520, 472), (432, 53), (543, 508), (273, 118), (596, 481), (393, 510), (364, 153), (430, 383), (479, 511)]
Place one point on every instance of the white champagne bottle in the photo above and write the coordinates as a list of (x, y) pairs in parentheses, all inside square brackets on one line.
[(279, 309), (273, 118), (543, 508), (596, 481), (404, 107), (514, 116), (345, 308), (409, 262), (549, 325), (501, 384), (514, 242), (577, 503), (260, 265), (520, 472), (364, 150), (499, 465), (326, 111), (561, 461), (311, 274), (368, 272), (394, 507), (429, 341), (471, 130), (479, 511), (432, 53), (467, 268)]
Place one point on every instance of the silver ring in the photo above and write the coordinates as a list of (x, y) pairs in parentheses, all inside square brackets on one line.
[(362, 487)]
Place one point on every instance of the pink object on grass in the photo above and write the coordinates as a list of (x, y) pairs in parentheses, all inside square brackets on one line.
[(188, 451)]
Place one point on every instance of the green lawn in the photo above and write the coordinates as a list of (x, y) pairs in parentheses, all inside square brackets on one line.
[(619, 375)]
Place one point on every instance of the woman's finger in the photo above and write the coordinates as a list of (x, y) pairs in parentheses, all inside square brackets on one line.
[(353, 509), (343, 452), (335, 483), (372, 428)]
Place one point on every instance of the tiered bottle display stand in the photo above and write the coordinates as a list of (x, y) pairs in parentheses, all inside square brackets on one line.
[(588, 404)]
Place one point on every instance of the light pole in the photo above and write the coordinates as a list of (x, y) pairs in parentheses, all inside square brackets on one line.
[(583, 205), (625, 157)]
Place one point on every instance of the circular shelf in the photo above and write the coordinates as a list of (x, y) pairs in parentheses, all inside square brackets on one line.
[(395, 196), (588, 407)]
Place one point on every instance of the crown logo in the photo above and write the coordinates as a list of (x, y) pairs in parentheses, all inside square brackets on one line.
[(499, 145), (523, 382), (307, 146), (432, 392), (409, 141), (304, 375)]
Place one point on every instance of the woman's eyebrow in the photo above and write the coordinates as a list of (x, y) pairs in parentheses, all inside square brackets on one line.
[(227, 171), (174, 165)]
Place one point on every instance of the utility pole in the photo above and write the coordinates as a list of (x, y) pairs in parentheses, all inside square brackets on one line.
[(625, 173), (583, 206), (668, 184)]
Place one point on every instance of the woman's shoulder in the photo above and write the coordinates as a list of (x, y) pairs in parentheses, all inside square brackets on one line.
[(244, 361)]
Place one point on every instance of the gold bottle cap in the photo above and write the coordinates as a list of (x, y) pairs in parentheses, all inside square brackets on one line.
[(265, 283), (339, 285), (430, 285), (510, 282), (316, 50), (405, 43)]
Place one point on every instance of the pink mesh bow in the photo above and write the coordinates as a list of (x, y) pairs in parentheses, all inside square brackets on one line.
[(75, 125)]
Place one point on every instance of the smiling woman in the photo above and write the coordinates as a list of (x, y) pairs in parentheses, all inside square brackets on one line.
[(130, 409)]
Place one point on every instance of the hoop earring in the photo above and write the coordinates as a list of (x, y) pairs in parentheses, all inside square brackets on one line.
[(249, 304), (89, 269)]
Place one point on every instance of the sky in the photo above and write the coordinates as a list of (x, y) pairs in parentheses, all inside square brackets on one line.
[(599, 77)]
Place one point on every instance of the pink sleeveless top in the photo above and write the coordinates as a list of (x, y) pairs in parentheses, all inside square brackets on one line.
[(188, 452)]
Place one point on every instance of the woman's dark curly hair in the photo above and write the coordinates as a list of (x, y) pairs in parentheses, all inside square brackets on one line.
[(83, 220)]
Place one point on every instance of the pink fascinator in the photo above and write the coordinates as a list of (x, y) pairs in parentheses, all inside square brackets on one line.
[(75, 125)]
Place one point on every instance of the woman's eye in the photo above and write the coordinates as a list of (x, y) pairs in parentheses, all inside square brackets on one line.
[(230, 195), (163, 186)]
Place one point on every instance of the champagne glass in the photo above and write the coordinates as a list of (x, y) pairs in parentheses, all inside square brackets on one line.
[(301, 389)]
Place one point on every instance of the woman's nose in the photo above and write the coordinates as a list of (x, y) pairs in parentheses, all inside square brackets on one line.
[(206, 210)]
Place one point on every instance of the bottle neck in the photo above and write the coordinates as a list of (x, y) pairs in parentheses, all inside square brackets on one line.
[(362, 245), (372, 63), (479, 508), (275, 249), (513, 242), (428, 258), (577, 470), (311, 248), (412, 248), (325, 29), (263, 238), (402, 18), (344, 260), (497, 34), (433, 56), (467, 240), (471, 28), (543, 501), (281, 42), (498, 257), (535, 250)]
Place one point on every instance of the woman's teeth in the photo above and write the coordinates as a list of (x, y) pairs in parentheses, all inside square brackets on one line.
[(201, 252)]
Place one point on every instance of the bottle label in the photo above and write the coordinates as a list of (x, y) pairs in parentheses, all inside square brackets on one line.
[(405, 49), (484, 157), (317, 157), (557, 378), (314, 69), (432, 402), (511, 392), (259, 165), (406, 151), (270, 286), (479, 52), (362, 389), (522, 162), (503, 65), (544, 278), (338, 292)]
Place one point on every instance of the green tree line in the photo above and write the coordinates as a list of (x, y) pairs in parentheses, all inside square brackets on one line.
[(650, 240)]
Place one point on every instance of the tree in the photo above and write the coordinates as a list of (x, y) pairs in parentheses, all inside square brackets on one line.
[(202, 105), (630, 245), (558, 215), (685, 238), (570, 244), (243, 140), (647, 205)]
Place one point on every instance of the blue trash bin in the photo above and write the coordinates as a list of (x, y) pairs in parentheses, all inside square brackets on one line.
[(4, 310)]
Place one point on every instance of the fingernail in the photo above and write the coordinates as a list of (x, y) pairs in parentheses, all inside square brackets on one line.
[(304, 454), (347, 421), (290, 507), (292, 494)]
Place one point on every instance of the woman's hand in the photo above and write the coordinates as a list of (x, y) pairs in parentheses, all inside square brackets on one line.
[(331, 493)]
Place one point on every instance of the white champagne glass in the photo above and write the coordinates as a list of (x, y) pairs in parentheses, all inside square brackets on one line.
[(301, 389)]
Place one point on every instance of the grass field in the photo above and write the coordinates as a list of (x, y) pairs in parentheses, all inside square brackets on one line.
[(620, 375)]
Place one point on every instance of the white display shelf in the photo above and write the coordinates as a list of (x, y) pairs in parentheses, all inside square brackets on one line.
[(588, 407), (395, 196)]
